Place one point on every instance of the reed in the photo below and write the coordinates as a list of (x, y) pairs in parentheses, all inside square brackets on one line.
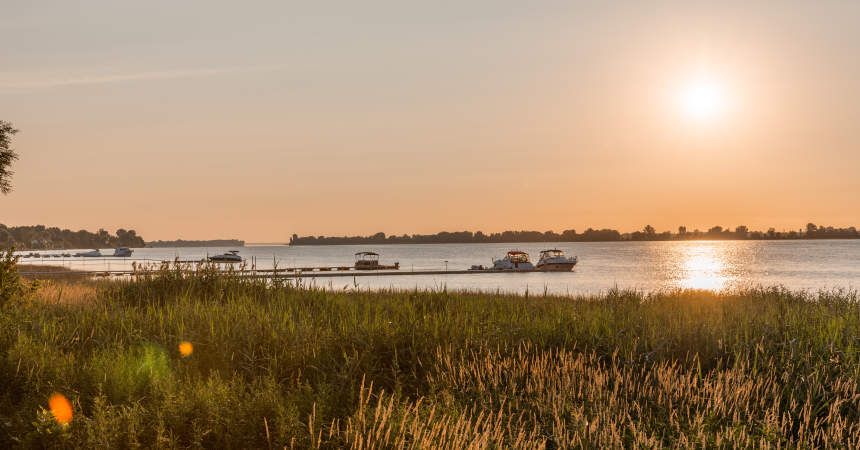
[(298, 367)]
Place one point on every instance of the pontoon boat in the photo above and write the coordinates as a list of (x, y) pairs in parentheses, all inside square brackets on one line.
[(366, 261)]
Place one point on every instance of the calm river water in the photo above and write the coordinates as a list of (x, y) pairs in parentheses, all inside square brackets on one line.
[(648, 266)]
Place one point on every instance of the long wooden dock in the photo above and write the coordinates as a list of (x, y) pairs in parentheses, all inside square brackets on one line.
[(293, 273)]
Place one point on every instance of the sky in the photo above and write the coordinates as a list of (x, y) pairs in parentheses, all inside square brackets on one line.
[(206, 119)]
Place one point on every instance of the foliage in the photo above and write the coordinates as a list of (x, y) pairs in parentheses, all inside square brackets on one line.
[(284, 366), (11, 286), (7, 156), (39, 237)]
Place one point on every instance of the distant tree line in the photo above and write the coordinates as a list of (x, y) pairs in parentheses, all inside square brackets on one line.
[(648, 233), (40, 237), (462, 237), (210, 243), (742, 232)]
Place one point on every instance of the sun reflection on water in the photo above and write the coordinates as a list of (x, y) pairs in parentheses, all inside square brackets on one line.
[(702, 267)]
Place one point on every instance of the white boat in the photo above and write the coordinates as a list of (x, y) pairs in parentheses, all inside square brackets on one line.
[(123, 252), (230, 257), (555, 261), (514, 260), (90, 254)]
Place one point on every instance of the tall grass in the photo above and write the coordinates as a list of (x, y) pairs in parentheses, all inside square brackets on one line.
[(281, 366)]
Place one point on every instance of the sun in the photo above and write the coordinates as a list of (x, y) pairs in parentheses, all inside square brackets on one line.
[(703, 98)]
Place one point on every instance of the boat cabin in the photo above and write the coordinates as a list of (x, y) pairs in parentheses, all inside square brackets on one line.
[(554, 253)]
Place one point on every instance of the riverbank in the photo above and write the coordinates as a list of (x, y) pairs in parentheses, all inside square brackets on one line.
[(172, 360)]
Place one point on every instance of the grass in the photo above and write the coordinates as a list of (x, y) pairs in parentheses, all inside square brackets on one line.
[(281, 366)]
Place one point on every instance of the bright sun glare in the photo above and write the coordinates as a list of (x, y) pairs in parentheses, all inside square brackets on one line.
[(703, 99)]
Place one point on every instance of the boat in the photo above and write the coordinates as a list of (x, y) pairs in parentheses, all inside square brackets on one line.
[(230, 257), (90, 254), (554, 261), (367, 261), (514, 260), (123, 252)]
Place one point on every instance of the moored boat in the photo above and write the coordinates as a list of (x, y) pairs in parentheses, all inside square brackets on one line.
[(555, 261), (370, 261), (514, 260), (230, 257), (366, 261), (91, 254), (122, 252)]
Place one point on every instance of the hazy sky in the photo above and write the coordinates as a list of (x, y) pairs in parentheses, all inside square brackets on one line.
[(257, 120)]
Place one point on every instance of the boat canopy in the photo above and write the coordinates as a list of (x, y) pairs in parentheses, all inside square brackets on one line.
[(553, 252), (367, 255), (517, 256)]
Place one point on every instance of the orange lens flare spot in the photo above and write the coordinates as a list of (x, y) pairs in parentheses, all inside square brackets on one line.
[(185, 348), (60, 408)]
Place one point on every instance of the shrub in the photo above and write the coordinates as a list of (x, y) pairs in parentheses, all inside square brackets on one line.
[(11, 285)]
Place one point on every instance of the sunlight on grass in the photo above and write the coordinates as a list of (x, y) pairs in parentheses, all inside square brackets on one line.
[(66, 292), (315, 368)]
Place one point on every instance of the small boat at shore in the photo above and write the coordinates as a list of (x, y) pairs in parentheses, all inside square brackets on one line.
[(91, 254), (122, 252), (230, 257), (514, 260), (555, 261)]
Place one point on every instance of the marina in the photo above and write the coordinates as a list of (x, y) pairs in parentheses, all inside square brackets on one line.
[(648, 266), (302, 272)]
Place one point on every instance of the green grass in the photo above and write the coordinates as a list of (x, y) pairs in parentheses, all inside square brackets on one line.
[(279, 366)]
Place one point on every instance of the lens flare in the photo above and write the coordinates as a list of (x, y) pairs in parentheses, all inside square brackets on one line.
[(185, 348), (60, 408)]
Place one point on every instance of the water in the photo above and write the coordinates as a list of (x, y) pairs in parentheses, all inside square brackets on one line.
[(715, 265)]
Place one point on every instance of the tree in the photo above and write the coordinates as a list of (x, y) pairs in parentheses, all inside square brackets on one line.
[(649, 230), (7, 156), (682, 230), (742, 231)]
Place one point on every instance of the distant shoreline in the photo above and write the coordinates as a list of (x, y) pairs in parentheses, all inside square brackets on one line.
[(206, 243), (717, 233), (557, 242)]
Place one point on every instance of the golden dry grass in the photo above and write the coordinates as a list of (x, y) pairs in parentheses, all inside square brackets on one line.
[(64, 291)]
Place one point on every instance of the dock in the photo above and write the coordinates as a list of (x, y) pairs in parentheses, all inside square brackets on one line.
[(295, 273)]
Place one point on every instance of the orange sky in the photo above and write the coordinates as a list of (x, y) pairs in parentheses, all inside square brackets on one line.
[(200, 120)]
